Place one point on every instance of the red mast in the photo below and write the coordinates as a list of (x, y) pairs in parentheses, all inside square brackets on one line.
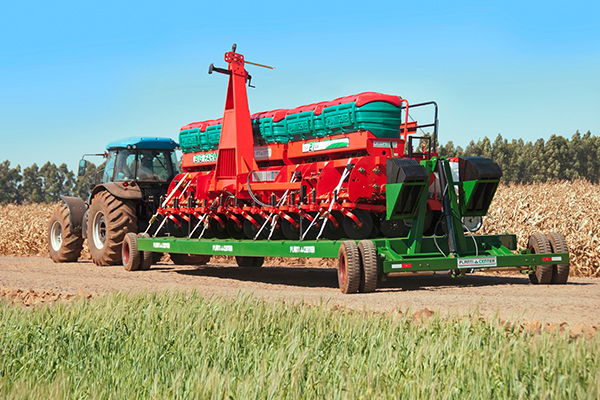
[(236, 147)]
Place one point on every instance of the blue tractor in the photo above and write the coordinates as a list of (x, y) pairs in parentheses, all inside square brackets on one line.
[(136, 176)]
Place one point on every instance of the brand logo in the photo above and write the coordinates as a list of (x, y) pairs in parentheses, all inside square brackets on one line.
[(302, 249), (223, 247), (480, 262), (204, 158), (325, 145)]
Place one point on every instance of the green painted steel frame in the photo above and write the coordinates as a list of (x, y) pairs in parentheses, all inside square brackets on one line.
[(231, 247), (393, 254)]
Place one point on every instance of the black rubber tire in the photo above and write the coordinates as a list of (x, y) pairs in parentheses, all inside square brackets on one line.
[(348, 267), (539, 244), (130, 254), (189, 259), (559, 245), (368, 270), (63, 245), (249, 262), (110, 219), (156, 257), (147, 257)]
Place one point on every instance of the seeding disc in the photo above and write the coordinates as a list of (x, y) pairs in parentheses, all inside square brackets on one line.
[(353, 231), (217, 230), (174, 229), (394, 228), (314, 230), (235, 231), (331, 231), (287, 228), (251, 230)]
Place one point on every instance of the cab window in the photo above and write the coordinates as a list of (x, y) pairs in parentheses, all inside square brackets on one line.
[(125, 165), (109, 167), (154, 165)]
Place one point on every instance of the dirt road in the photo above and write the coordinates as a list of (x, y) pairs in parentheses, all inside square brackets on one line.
[(509, 296)]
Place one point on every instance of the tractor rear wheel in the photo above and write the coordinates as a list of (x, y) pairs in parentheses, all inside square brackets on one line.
[(63, 245), (559, 245), (110, 219), (348, 267), (539, 244), (189, 259)]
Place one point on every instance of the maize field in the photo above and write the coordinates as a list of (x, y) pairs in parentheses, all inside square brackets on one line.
[(569, 207)]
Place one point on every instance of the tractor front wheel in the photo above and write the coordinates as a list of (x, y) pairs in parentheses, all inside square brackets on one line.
[(63, 244), (110, 219)]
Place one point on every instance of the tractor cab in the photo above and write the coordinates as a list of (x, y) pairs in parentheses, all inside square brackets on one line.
[(141, 160)]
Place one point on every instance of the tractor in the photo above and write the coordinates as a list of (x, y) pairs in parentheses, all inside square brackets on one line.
[(136, 175)]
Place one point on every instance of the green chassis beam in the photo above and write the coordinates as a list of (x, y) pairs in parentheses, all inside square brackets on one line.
[(495, 251)]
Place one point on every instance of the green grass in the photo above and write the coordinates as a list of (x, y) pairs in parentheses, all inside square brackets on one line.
[(176, 345)]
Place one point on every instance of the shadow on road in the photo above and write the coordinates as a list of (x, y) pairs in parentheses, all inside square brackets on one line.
[(327, 278)]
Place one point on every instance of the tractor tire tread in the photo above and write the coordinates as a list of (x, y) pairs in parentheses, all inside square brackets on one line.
[(120, 219), (71, 245)]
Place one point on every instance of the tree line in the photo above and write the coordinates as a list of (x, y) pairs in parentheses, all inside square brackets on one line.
[(43, 184), (558, 158)]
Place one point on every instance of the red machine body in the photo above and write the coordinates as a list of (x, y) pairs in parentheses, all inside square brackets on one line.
[(327, 187)]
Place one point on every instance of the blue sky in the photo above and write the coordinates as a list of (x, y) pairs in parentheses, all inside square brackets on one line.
[(77, 75)]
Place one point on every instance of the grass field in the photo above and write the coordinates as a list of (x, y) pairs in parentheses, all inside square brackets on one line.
[(175, 345)]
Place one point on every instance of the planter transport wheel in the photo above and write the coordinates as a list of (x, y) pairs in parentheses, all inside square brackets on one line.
[(368, 271), (189, 259), (109, 220), (249, 262), (539, 244), (63, 245), (559, 245), (147, 257), (130, 254), (348, 267)]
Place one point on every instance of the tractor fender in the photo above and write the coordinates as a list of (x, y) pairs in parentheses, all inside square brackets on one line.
[(77, 208), (118, 190)]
